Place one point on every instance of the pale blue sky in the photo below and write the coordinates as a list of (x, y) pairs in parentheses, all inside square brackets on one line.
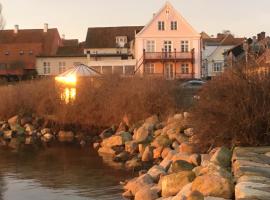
[(72, 17)]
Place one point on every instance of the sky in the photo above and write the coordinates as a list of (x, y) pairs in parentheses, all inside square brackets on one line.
[(72, 18)]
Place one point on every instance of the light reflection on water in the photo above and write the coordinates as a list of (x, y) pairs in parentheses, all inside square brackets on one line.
[(59, 173)]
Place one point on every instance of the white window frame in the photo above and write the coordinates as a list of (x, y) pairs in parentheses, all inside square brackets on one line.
[(184, 68), (168, 42), (184, 46), (174, 25), (149, 68), (161, 25), (217, 66), (150, 46)]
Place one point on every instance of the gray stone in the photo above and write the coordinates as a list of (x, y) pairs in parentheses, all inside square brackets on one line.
[(138, 183), (183, 193), (141, 135), (222, 157), (147, 154), (180, 165), (155, 172), (131, 147)]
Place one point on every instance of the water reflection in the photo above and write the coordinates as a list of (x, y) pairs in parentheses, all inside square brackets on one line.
[(58, 173), (68, 95)]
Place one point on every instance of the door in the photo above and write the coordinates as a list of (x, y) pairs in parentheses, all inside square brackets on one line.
[(167, 46), (169, 73)]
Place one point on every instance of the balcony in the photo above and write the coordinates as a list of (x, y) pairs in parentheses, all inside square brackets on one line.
[(168, 56)]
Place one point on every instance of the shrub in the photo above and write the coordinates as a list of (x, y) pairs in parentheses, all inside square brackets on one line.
[(234, 109)]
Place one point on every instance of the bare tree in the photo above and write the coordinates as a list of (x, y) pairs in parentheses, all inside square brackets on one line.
[(2, 21)]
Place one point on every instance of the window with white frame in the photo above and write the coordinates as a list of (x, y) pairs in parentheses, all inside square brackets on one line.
[(161, 25), (218, 67), (150, 46), (184, 46), (184, 68), (121, 41), (149, 68), (46, 68), (173, 25)]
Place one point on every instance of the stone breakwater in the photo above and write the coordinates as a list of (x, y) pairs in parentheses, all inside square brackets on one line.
[(170, 165)]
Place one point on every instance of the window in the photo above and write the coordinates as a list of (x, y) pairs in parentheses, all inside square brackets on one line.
[(173, 25), (184, 46), (185, 68), (149, 68), (46, 68), (161, 26), (118, 69), (217, 67), (107, 69), (129, 69), (167, 46), (150, 46), (121, 41)]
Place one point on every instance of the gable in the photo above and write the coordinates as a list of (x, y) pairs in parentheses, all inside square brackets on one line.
[(168, 14)]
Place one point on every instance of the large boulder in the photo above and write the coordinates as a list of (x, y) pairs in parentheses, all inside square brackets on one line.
[(188, 148), (136, 184), (173, 183), (115, 140), (141, 135), (106, 133), (134, 164), (106, 150), (146, 194), (222, 157), (155, 172), (213, 185), (252, 190), (152, 120), (161, 141), (66, 136), (131, 147), (126, 136), (184, 192), (13, 121), (195, 195), (157, 152), (181, 165), (165, 164)]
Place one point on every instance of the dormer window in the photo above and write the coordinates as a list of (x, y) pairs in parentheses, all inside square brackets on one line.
[(161, 25), (121, 41), (173, 25)]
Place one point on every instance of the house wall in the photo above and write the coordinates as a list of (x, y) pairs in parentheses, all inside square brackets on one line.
[(55, 64), (184, 32)]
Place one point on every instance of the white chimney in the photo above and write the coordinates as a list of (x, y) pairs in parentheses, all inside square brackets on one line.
[(45, 30), (63, 36), (16, 29)]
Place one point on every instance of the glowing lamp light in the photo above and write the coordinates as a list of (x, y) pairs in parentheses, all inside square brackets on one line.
[(68, 80)]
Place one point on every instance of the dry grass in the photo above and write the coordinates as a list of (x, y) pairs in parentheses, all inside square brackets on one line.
[(100, 102)]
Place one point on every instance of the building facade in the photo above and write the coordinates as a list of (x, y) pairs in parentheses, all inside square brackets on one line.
[(19, 49), (168, 46)]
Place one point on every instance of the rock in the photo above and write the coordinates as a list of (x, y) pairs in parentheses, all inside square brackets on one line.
[(222, 157), (165, 152), (146, 194), (165, 164), (122, 157), (178, 116), (186, 115), (189, 132), (205, 159), (106, 150), (181, 138), (157, 152), (115, 140), (106, 133), (157, 133), (13, 121), (14, 144), (141, 135), (8, 135), (29, 128), (188, 148), (127, 195), (122, 127), (213, 185), (195, 159), (175, 145), (161, 141), (147, 154), (180, 165), (142, 148), (155, 172), (214, 198), (45, 130), (184, 192), (152, 120), (195, 195), (26, 120), (197, 170), (134, 164), (29, 140), (47, 137), (96, 145), (131, 147), (251, 190), (65, 136), (173, 183), (134, 185), (126, 136)]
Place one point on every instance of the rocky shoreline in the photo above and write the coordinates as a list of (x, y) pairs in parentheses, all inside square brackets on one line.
[(164, 154)]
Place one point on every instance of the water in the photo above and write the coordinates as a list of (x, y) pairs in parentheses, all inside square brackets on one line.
[(59, 173)]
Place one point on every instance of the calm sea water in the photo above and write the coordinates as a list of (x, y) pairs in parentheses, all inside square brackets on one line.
[(59, 173)]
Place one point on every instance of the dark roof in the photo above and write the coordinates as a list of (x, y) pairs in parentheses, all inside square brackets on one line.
[(69, 51), (70, 42), (104, 37), (223, 39), (28, 36)]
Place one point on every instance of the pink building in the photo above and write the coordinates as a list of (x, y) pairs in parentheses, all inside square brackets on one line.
[(168, 46)]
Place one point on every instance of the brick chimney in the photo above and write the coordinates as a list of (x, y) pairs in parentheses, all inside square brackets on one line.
[(46, 26), (16, 29), (259, 37), (263, 35)]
